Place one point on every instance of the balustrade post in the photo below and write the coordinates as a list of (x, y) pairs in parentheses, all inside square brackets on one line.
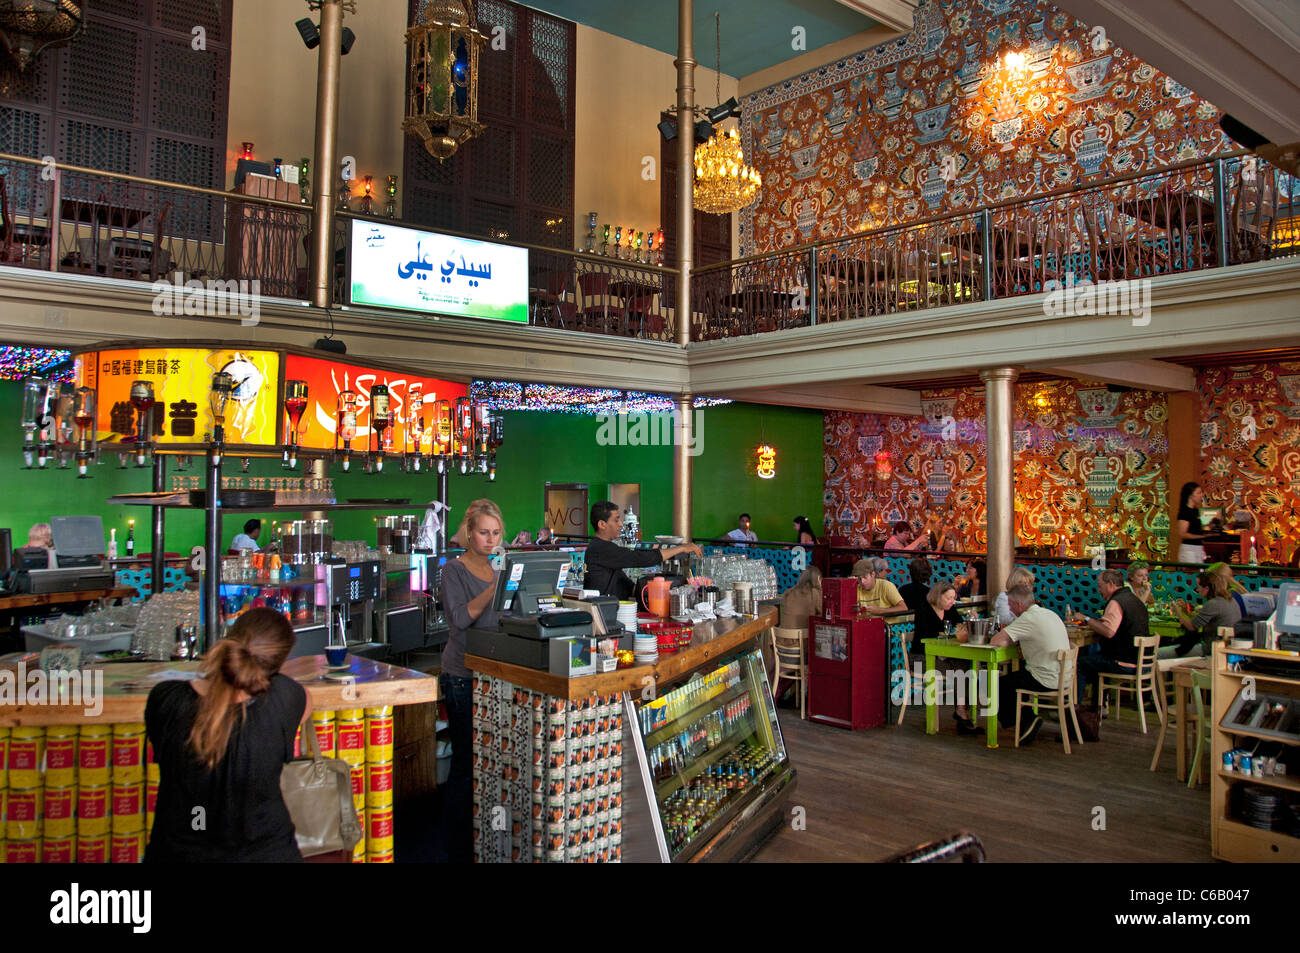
[(986, 238), (1221, 212), (55, 218), (812, 285)]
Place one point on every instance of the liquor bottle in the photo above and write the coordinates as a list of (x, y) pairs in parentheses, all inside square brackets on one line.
[(130, 538), (112, 544)]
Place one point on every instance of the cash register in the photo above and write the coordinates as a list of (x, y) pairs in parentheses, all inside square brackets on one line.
[(75, 564), (534, 630)]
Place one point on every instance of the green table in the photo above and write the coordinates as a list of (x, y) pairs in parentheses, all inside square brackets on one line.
[(986, 655), (1167, 628)]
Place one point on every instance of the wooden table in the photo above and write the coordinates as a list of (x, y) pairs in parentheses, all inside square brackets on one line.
[(126, 687), (1182, 691), (988, 655), (29, 600)]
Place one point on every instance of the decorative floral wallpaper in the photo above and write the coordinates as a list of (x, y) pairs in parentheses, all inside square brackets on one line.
[(1076, 445), (937, 122), (1250, 449)]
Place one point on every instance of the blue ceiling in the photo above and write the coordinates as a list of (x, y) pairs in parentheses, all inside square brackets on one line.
[(756, 34)]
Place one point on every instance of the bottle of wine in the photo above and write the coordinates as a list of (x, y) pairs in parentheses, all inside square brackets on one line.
[(130, 539)]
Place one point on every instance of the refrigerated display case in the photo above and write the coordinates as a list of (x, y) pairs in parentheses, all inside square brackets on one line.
[(713, 765)]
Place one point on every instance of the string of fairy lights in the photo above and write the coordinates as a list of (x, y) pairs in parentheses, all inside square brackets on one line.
[(554, 398), (17, 363)]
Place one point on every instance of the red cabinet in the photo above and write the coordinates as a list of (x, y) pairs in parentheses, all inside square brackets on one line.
[(848, 671)]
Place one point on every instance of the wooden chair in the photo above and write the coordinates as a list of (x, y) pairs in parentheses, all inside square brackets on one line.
[(1145, 678), (788, 650), (1200, 683), (1061, 700)]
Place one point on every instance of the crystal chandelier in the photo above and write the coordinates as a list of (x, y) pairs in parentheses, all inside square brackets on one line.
[(724, 183)]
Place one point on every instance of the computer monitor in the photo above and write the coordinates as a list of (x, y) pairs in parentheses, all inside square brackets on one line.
[(78, 535), (1287, 618), (527, 577)]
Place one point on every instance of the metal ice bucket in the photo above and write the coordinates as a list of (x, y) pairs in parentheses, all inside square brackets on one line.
[(979, 631)]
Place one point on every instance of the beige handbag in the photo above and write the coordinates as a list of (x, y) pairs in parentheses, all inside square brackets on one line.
[(318, 793)]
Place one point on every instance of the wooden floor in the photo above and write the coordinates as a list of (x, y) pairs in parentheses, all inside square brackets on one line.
[(870, 794)]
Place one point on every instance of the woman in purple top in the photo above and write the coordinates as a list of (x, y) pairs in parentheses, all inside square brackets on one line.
[(468, 587)]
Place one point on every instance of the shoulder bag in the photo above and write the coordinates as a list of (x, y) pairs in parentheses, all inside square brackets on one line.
[(318, 793)]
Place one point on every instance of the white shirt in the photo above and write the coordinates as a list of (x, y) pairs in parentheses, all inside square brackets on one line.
[(1002, 610), (744, 535), (243, 541), (1040, 633)]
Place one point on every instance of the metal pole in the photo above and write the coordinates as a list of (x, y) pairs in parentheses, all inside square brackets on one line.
[(326, 154), (986, 233), (446, 514), (212, 552), (159, 521), (685, 64), (683, 447), (56, 218), (999, 403), (1221, 212), (812, 286)]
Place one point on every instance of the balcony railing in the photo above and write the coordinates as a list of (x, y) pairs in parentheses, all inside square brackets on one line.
[(1194, 215), (1186, 217)]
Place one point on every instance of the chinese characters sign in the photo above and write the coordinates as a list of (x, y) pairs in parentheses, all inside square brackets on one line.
[(182, 378), (393, 267)]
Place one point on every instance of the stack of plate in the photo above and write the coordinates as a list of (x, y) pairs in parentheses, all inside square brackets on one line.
[(646, 649), (627, 615), (1262, 809)]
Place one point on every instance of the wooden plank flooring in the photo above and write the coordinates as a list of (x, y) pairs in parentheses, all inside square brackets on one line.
[(870, 794)]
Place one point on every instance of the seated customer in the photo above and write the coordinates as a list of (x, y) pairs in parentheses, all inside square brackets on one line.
[(1020, 576), (916, 591), (975, 582), (522, 538), (905, 539), (876, 594), (1124, 620), (247, 539), (937, 618), (1202, 628), (802, 600), (1040, 633), (1139, 580)]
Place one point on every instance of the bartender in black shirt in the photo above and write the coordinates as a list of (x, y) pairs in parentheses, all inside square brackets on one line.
[(606, 560)]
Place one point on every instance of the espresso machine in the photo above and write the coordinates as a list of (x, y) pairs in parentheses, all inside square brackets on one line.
[(350, 596)]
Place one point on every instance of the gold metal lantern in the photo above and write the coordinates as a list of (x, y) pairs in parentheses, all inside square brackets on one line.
[(442, 98)]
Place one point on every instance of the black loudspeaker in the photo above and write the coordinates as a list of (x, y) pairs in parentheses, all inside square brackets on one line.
[(6, 551)]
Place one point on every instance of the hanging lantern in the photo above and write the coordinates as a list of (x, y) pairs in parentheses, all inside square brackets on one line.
[(442, 89), (28, 27), (884, 469), (766, 468)]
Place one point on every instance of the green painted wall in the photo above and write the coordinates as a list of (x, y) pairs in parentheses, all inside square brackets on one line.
[(561, 448)]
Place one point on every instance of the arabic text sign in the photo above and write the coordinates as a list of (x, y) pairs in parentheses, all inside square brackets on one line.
[(394, 267), (182, 380), (326, 379)]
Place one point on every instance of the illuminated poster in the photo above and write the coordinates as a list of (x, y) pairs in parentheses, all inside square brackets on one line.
[(394, 267), (182, 380), (326, 379)]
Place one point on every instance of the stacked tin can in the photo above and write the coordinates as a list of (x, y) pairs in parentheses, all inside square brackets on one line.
[(547, 776), (379, 785), (350, 738)]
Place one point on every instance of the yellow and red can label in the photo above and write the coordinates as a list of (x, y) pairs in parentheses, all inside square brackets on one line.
[(93, 754), (126, 847), (61, 757), (128, 800), (324, 737), (350, 714), (22, 852), (350, 736), (379, 733), (359, 781), (380, 857), (92, 802), (60, 812), (23, 813), (379, 784), (359, 852), (92, 850), (379, 830), (26, 746), (59, 850), (128, 753), (150, 797), (4, 758)]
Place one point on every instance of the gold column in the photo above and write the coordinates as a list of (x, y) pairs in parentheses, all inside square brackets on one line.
[(1000, 486), (685, 64), (683, 441), (326, 160)]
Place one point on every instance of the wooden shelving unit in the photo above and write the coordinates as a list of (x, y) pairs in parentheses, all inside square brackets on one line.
[(1233, 839)]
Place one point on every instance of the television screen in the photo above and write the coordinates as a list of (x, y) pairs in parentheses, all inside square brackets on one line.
[(395, 267)]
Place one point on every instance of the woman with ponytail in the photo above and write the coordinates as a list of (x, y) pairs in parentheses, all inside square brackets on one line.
[(220, 742)]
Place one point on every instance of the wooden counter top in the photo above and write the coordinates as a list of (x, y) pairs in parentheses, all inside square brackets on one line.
[(712, 640), (126, 687), (28, 600)]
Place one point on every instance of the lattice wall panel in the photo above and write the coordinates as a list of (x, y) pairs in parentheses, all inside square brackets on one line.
[(547, 185), (547, 228), (486, 216), (184, 15), (105, 77), (23, 132), (498, 79), (422, 166), (174, 160), (431, 208), (187, 91), (548, 69), (495, 162), (133, 10), (97, 146)]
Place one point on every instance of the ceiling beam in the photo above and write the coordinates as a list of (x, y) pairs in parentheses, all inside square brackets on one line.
[(1144, 375), (858, 398), (896, 14)]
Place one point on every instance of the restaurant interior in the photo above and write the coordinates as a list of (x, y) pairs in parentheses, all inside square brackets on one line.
[(1010, 271)]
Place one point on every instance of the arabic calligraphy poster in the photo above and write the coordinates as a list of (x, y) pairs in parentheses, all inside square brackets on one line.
[(182, 379), (394, 267), (327, 379)]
